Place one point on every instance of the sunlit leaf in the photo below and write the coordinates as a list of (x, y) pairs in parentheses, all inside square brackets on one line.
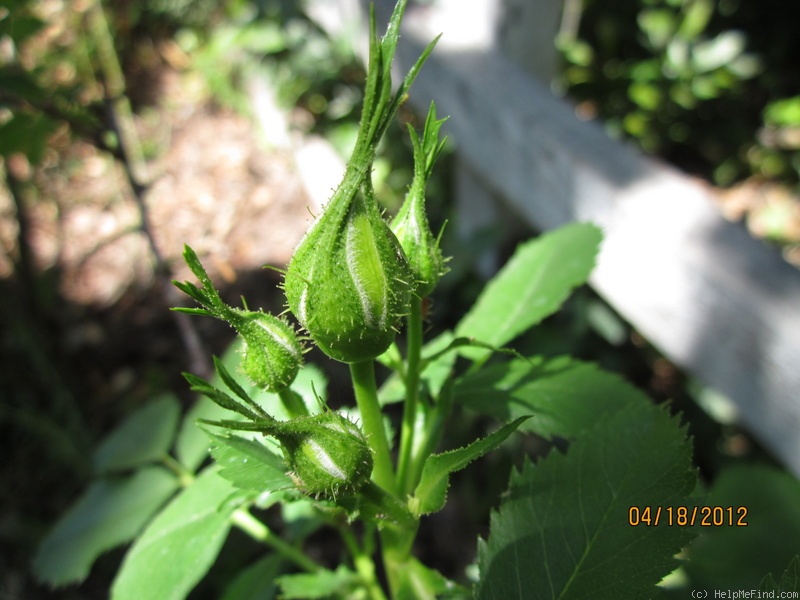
[(564, 396), (718, 51), (180, 544), (533, 285), (249, 464), (322, 584)]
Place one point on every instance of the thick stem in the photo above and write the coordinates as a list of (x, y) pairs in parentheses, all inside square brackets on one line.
[(413, 354), (258, 531), (366, 391)]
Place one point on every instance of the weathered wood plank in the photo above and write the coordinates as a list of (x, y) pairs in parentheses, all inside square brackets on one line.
[(723, 306)]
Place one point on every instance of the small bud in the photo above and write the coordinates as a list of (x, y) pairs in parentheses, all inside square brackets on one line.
[(272, 354), (349, 282), (422, 249), (411, 223), (327, 453)]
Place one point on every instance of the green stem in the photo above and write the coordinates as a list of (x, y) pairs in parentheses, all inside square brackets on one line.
[(364, 565), (434, 426), (185, 476), (258, 531), (366, 391), (413, 355)]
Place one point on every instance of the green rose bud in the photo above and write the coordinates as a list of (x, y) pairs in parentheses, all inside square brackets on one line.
[(411, 223), (349, 282), (272, 354), (327, 453)]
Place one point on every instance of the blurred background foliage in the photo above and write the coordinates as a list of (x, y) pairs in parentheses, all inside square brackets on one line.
[(712, 86)]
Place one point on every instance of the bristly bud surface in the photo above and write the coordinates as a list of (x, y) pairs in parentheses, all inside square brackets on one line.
[(272, 352), (327, 453), (348, 282), (411, 223)]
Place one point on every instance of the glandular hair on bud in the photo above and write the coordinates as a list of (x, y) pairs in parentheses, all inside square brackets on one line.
[(272, 353), (327, 453), (349, 282)]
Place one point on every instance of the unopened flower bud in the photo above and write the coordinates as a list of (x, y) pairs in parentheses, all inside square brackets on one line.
[(349, 282), (415, 236), (411, 223), (327, 453), (272, 353)]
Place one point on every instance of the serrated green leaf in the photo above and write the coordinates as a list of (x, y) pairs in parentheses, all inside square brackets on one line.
[(790, 580), (249, 464), (180, 544), (562, 531), (322, 584), (256, 582), (145, 436), (564, 396), (111, 512), (726, 554), (431, 492), (533, 285)]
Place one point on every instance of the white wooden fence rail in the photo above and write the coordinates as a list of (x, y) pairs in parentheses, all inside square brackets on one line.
[(721, 305)]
